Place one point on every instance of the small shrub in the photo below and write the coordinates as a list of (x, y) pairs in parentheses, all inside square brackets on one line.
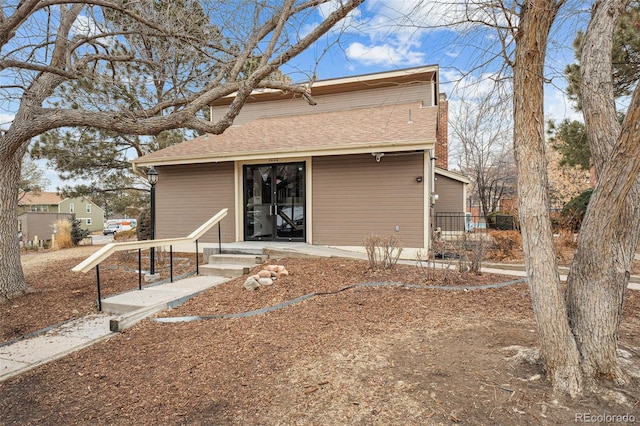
[(383, 252), (507, 243), (77, 232), (435, 272), (478, 248)]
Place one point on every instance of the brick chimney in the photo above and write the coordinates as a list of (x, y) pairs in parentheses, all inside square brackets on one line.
[(442, 138)]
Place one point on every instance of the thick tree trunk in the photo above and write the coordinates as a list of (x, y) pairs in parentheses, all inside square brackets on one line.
[(609, 235), (12, 280), (558, 347)]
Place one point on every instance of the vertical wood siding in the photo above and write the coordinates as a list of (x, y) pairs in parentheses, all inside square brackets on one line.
[(450, 195), (354, 197), (188, 195)]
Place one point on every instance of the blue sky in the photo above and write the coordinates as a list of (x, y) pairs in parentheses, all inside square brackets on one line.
[(393, 34), (387, 35)]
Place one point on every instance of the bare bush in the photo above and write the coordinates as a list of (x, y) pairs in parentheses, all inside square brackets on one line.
[(506, 243), (477, 249), (383, 252), (436, 272)]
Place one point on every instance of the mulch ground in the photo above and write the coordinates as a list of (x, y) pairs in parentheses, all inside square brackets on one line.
[(384, 355), (57, 294)]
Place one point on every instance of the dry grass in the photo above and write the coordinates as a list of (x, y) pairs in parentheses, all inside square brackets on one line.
[(63, 238)]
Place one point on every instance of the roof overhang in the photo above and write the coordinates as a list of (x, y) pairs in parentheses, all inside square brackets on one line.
[(452, 175), (277, 155)]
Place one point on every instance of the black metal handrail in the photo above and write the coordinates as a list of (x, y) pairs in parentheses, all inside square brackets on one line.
[(98, 257)]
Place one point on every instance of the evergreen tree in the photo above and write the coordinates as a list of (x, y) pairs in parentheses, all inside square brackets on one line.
[(570, 140), (77, 232), (144, 226), (625, 57)]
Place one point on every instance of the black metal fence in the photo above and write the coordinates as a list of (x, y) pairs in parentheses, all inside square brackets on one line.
[(455, 223)]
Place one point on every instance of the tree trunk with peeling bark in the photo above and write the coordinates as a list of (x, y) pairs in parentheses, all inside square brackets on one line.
[(558, 347), (610, 232), (12, 280)]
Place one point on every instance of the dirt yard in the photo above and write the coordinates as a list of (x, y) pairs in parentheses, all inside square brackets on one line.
[(383, 355)]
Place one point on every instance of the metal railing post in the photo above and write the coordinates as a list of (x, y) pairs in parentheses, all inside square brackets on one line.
[(139, 269), (99, 295), (197, 259), (219, 239), (171, 262)]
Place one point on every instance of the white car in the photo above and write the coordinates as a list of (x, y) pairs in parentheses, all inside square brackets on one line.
[(112, 229)]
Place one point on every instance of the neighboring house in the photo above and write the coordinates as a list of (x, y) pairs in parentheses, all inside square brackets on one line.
[(361, 161), (38, 226), (90, 215)]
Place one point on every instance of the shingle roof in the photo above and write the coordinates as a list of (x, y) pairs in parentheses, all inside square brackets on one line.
[(41, 198), (366, 129)]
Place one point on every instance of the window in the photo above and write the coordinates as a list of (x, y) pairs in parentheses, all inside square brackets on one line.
[(88, 221), (72, 208), (88, 208), (40, 208)]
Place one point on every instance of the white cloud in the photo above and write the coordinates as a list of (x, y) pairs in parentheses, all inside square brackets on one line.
[(385, 54), (6, 120), (87, 26), (394, 32), (557, 106)]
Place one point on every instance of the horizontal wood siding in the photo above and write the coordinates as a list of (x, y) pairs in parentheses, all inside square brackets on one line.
[(450, 195), (354, 197), (188, 195), (417, 92)]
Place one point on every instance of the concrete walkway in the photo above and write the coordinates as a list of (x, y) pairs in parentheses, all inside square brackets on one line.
[(19, 356), (125, 309)]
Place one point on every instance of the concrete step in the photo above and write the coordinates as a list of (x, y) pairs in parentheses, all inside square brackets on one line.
[(240, 259), (228, 270), (208, 251), (161, 296)]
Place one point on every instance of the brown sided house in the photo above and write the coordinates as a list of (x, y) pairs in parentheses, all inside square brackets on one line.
[(361, 161)]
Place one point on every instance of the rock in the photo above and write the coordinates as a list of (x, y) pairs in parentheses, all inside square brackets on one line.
[(282, 273), (264, 274), (251, 284), (265, 281)]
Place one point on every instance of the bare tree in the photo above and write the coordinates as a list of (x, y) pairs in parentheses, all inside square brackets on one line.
[(46, 45), (483, 130)]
